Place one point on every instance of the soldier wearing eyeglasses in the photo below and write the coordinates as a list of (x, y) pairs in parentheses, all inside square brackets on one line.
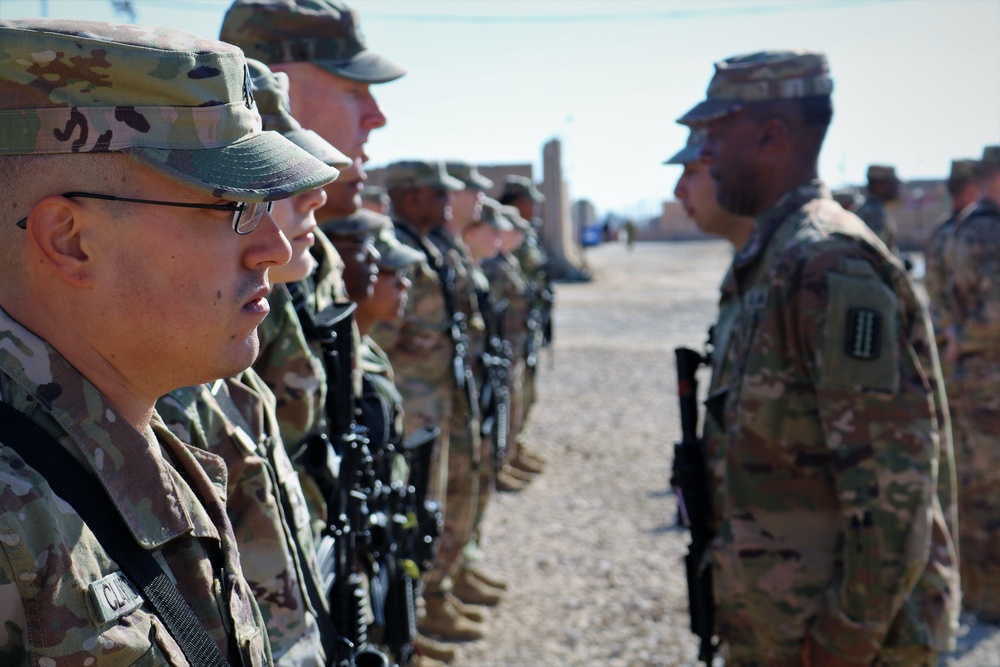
[(122, 279)]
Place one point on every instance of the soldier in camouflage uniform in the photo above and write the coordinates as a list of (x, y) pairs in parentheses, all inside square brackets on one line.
[(963, 186), (975, 332), (433, 372), (472, 584), (521, 193), (235, 418), (509, 285), (138, 96), (883, 188), (838, 540)]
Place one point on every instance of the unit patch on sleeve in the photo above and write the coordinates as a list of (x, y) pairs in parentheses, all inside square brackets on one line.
[(862, 336)]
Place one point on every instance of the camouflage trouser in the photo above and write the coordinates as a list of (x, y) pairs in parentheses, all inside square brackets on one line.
[(917, 656), (516, 383), (977, 454), (462, 494)]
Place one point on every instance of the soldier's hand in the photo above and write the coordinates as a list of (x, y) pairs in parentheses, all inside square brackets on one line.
[(815, 655)]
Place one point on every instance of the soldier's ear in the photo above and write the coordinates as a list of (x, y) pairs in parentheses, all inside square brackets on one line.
[(55, 230), (774, 133)]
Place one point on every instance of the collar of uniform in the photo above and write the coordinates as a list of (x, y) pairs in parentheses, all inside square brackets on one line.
[(149, 493), (769, 221)]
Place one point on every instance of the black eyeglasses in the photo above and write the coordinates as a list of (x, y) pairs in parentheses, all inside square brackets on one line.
[(246, 215)]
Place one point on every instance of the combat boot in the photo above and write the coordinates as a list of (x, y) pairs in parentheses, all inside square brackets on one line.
[(470, 611), (523, 462), (508, 484), (488, 579), (443, 620), (526, 452), (470, 590), (428, 648), (518, 474)]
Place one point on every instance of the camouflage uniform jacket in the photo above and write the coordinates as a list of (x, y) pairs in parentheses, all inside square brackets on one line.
[(55, 576), (839, 475), (937, 276), (507, 283), (419, 344), (264, 502), (873, 213), (293, 372), (469, 280), (976, 281)]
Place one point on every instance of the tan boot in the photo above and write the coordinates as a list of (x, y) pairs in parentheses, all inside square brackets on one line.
[(443, 620), (488, 579), (472, 612), (508, 484), (518, 474), (529, 454), (526, 464), (428, 648), (470, 590)]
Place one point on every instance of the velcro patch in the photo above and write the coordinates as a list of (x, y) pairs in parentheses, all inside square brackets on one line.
[(113, 597), (863, 333)]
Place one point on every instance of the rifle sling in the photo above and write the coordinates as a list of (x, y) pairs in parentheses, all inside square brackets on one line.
[(78, 487)]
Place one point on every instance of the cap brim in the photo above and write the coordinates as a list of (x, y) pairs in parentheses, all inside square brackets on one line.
[(262, 167), (480, 182), (685, 155), (318, 147), (399, 256), (449, 183), (501, 223), (709, 110), (367, 67)]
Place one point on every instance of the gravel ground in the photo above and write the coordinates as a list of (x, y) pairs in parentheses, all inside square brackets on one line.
[(590, 548)]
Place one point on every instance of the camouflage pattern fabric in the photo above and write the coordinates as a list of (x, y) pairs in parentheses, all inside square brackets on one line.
[(421, 351), (937, 273), (261, 484), (873, 213), (470, 481), (838, 485), (174, 102), (297, 378), (533, 261), (976, 297), (52, 569)]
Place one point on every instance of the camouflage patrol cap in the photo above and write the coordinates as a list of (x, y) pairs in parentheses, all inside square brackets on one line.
[(991, 159), (512, 214), (177, 103), (270, 90), (359, 224), (764, 76), (881, 172), (964, 170), (469, 174), (323, 32), (393, 254), (375, 193), (692, 151), (515, 187), (494, 216), (420, 174)]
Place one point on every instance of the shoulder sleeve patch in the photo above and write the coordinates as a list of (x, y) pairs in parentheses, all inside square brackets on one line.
[(860, 347)]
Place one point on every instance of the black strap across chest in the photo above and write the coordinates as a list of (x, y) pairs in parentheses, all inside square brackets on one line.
[(78, 487)]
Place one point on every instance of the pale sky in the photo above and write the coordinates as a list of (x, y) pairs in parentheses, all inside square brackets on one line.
[(916, 82)]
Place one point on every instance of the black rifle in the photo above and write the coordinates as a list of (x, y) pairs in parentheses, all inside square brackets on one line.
[(494, 401), (690, 481), (341, 465)]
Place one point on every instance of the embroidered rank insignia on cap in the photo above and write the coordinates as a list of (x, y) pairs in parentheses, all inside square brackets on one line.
[(113, 597), (863, 333)]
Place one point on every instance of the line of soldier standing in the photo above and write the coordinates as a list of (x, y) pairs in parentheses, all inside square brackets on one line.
[(835, 506), (323, 506)]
